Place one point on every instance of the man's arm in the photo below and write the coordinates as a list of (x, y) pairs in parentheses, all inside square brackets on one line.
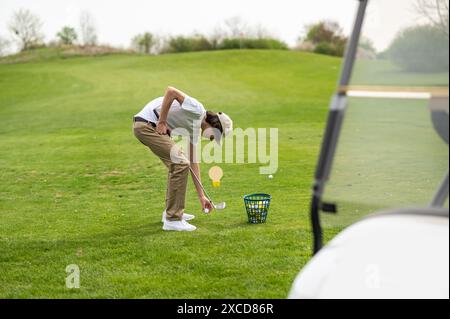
[(196, 170), (171, 95)]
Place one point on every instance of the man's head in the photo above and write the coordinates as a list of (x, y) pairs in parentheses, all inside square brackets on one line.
[(217, 125)]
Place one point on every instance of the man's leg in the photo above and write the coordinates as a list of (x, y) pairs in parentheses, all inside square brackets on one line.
[(176, 194), (178, 166)]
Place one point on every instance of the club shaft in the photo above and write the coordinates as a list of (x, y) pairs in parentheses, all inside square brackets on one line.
[(201, 185)]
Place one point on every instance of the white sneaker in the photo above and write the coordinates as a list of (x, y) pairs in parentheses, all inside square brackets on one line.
[(186, 217), (178, 225)]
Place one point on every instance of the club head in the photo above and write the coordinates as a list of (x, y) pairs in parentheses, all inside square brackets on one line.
[(220, 206)]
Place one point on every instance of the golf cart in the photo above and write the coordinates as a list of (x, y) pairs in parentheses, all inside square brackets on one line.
[(379, 207)]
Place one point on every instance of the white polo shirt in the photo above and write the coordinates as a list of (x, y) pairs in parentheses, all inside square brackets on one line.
[(183, 119)]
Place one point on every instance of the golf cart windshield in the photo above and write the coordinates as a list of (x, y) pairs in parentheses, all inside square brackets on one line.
[(391, 146)]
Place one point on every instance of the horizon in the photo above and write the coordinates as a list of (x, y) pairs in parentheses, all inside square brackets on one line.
[(283, 19)]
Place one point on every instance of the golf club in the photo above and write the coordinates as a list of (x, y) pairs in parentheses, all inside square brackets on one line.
[(219, 206)]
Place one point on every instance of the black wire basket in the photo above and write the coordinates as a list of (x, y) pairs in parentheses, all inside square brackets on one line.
[(257, 206)]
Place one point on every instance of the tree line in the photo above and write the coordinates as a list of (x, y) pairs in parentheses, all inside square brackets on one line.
[(409, 50), (324, 37), (26, 30)]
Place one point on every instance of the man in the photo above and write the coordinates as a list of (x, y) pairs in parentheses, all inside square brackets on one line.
[(179, 114)]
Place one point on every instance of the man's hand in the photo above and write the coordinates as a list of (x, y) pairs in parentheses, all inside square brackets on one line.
[(206, 203), (161, 128)]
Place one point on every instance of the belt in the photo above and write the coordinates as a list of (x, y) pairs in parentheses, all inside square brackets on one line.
[(140, 119)]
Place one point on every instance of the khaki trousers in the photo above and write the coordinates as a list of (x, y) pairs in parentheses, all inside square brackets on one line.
[(177, 164)]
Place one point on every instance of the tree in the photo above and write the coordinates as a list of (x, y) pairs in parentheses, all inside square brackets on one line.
[(144, 42), (26, 27), (237, 28), (216, 36), (367, 44), (324, 31), (435, 12), (421, 49), (261, 32), (88, 29), (67, 35), (366, 49), (4, 46), (326, 37)]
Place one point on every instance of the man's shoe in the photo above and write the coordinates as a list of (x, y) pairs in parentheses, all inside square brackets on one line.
[(186, 217), (178, 225)]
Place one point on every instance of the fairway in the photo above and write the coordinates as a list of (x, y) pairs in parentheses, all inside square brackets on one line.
[(76, 187)]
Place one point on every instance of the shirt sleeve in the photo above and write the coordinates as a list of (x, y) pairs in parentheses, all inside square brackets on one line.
[(192, 105)]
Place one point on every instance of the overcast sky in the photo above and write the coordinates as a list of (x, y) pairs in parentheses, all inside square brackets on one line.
[(118, 20)]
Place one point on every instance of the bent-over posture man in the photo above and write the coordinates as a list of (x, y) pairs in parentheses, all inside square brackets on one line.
[(179, 114)]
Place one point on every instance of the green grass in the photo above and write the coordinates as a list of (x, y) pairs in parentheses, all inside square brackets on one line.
[(76, 187)]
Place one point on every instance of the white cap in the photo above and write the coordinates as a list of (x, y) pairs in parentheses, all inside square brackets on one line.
[(227, 126)]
